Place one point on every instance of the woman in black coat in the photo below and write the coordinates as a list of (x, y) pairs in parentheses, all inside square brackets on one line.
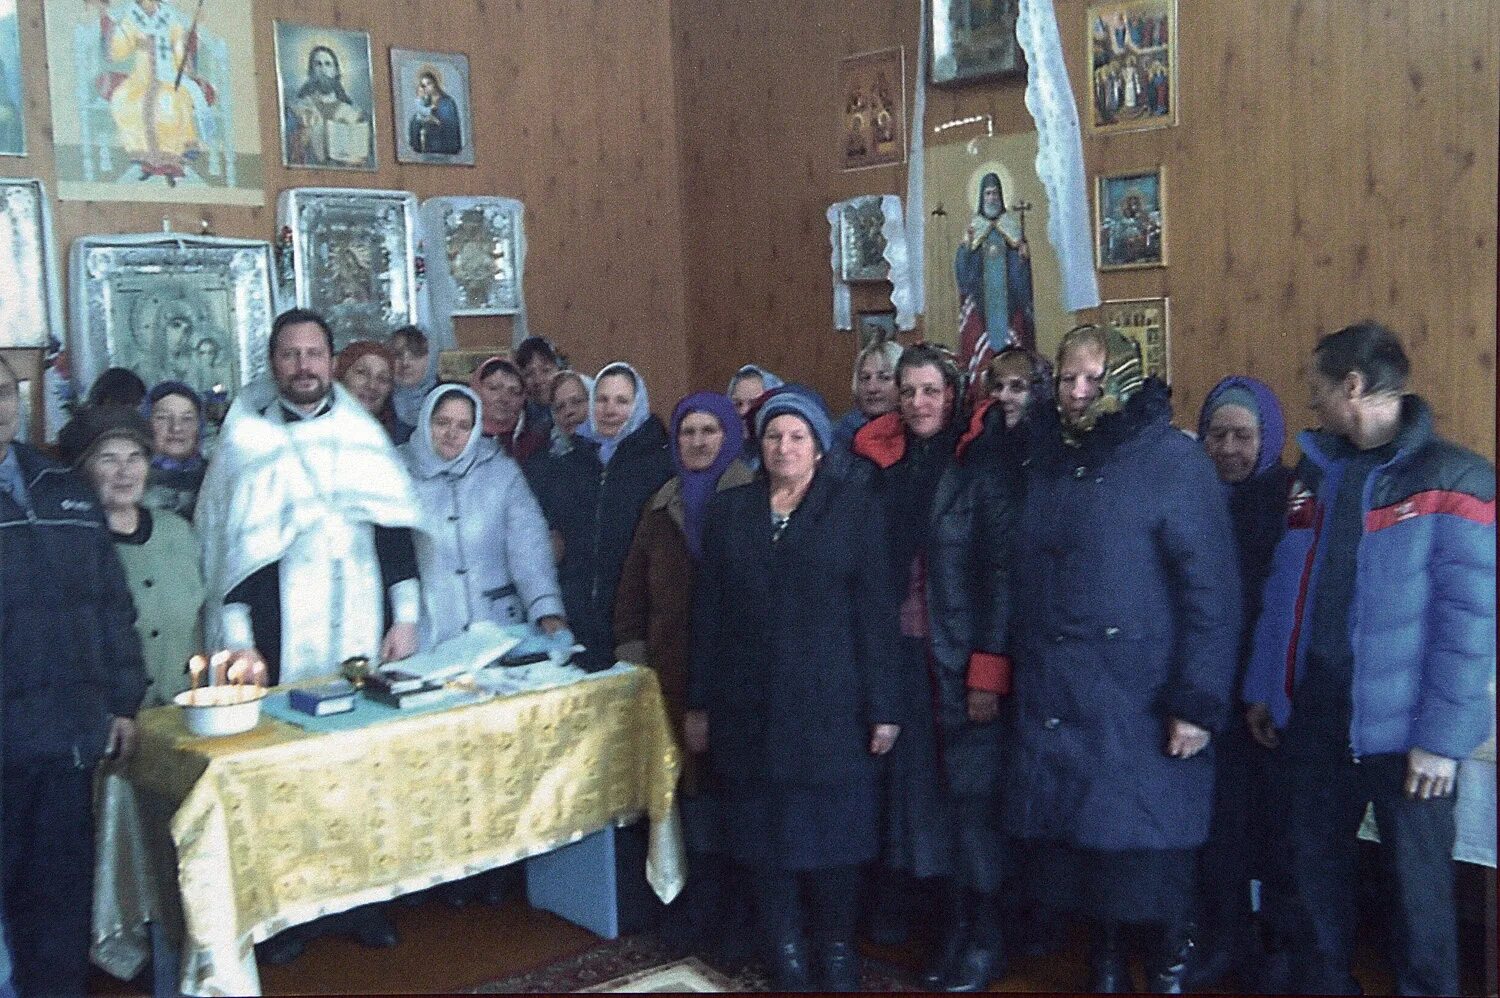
[(791, 687), (593, 495), (1243, 431), (1127, 614), (949, 517)]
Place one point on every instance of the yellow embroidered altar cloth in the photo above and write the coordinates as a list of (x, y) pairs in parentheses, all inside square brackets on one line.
[(278, 826)]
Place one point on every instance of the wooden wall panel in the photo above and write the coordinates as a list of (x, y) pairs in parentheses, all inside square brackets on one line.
[(575, 116), (756, 85), (1334, 161)]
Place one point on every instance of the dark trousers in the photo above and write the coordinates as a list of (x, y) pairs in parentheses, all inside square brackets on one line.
[(980, 854), (821, 904), (1325, 801), (980, 843), (1245, 841), (49, 876)]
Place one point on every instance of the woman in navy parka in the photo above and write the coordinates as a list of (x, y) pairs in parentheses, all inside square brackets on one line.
[(1127, 610)]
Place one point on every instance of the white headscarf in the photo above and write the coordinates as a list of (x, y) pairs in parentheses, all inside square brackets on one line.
[(638, 414), (422, 459), (560, 443), (407, 400)]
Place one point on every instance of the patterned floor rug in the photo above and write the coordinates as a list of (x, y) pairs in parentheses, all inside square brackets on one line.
[(643, 963)]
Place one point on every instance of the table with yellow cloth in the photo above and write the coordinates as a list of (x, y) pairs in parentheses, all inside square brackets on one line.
[(278, 826)]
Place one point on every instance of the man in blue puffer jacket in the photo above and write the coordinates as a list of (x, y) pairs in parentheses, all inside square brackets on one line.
[(1374, 657)]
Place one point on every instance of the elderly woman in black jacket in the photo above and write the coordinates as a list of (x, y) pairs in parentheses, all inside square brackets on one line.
[(791, 687), (1124, 636)]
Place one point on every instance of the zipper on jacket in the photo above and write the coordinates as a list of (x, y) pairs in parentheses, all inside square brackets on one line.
[(598, 536), (463, 557), (1372, 481)]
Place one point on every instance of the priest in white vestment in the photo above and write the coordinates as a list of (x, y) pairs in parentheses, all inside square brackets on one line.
[(306, 515)]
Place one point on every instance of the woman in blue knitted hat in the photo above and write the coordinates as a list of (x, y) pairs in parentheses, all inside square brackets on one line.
[(791, 688)]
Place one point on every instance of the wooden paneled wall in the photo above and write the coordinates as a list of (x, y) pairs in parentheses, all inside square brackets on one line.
[(575, 116), (1334, 161)]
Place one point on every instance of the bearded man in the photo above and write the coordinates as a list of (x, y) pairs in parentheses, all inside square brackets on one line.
[(322, 102), (306, 515)]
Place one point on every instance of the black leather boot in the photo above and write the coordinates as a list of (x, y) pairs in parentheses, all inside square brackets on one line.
[(978, 966), (1169, 968), (1109, 974), (983, 958), (943, 962), (789, 970), (838, 966), (887, 920)]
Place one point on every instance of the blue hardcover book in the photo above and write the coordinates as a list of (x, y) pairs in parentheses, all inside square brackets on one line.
[(336, 697)]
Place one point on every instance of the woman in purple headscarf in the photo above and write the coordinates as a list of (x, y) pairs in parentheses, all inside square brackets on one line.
[(1243, 431), (655, 598)]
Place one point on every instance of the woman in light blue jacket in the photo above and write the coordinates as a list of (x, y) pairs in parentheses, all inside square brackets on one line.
[(484, 554)]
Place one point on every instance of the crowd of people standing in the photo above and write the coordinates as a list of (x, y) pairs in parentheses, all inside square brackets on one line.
[(1022, 641)]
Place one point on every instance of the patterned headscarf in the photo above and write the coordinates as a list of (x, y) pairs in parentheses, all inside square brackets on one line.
[(1123, 372), (487, 367)]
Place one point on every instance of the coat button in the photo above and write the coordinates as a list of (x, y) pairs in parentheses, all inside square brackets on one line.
[(1080, 471), (1052, 723), (1111, 632), (156, 634), (148, 583), (452, 519), (460, 571)]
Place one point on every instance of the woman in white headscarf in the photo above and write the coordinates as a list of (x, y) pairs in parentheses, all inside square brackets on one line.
[(593, 495), (485, 553)]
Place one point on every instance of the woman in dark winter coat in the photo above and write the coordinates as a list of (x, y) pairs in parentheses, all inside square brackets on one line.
[(1123, 637), (1243, 431), (791, 687), (592, 497), (948, 525), (655, 593)]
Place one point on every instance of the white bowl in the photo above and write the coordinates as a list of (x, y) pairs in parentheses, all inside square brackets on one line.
[(221, 710)]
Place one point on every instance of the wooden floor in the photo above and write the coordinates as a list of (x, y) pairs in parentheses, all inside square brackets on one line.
[(447, 950)]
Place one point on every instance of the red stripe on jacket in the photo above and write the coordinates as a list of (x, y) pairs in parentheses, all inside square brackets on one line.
[(1429, 502)]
